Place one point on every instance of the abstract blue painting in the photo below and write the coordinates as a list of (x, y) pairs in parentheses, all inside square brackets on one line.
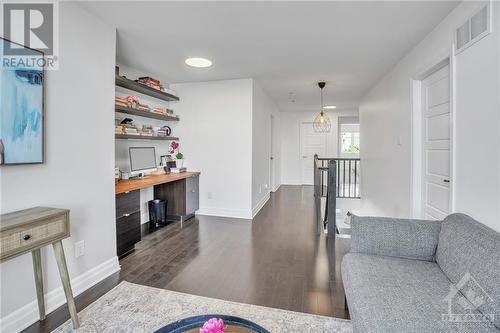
[(21, 106)]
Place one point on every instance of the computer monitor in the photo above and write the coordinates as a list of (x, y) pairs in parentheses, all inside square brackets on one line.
[(142, 160)]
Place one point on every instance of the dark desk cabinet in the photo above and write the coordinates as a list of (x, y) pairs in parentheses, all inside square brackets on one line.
[(180, 190), (182, 197), (128, 222)]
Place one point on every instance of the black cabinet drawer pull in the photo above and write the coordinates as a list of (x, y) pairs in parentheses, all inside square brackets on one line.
[(26, 237)]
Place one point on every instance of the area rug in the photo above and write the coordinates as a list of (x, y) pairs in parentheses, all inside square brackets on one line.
[(134, 308)]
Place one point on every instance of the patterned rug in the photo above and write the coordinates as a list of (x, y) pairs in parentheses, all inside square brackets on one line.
[(134, 308)]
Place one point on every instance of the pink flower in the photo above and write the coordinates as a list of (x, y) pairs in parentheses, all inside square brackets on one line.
[(173, 146), (213, 325)]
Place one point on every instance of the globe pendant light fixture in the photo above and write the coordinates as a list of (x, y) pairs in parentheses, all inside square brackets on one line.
[(322, 123)]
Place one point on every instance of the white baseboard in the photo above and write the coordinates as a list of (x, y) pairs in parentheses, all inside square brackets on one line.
[(261, 204), (224, 212), (292, 182), (28, 314)]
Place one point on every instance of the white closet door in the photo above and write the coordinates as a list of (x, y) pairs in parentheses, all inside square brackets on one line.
[(437, 138)]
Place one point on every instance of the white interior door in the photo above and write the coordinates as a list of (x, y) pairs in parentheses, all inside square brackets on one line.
[(310, 143), (436, 196)]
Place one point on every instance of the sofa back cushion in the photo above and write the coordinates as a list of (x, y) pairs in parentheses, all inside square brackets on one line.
[(393, 237), (468, 253)]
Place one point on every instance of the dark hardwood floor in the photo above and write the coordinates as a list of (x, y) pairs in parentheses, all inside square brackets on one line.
[(276, 261)]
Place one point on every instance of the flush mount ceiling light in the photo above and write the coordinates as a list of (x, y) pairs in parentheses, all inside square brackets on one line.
[(198, 62), (322, 123), (329, 107)]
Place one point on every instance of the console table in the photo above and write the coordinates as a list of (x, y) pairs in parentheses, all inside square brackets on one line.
[(28, 231)]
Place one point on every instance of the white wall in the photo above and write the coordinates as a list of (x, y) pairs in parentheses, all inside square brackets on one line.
[(290, 141), (216, 138), (263, 107), (385, 115), (77, 173)]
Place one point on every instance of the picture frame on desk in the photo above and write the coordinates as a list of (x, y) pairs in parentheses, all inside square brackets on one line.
[(167, 162)]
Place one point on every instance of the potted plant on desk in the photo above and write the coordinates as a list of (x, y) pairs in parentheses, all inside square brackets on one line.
[(179, 159), (174, 146)]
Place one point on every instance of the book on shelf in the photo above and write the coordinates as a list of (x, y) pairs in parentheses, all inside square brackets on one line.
[(149, 79)]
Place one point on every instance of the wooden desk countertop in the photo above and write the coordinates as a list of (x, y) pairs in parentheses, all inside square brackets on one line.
[(128, 185)]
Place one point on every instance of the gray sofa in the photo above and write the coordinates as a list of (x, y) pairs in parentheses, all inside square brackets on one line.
[(423, 276)]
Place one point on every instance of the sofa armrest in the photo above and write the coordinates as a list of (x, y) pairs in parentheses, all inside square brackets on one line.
[(404, 238)]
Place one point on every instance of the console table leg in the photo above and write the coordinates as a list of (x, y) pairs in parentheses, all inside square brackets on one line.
[(63, 271), (37, 269)]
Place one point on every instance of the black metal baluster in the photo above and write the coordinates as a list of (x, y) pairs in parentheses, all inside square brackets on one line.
[(355, 178), (350, 170)]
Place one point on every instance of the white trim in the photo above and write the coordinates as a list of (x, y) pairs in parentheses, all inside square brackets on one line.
[(277, 188), (28, 314), (224, 212), (272, 148), (291, 182), (261, 204)]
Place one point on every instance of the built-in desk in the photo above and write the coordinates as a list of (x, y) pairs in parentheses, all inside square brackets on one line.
[(181, 191), (136, 184)]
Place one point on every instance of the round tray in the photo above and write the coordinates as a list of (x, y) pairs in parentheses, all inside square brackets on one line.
[(193, 324)]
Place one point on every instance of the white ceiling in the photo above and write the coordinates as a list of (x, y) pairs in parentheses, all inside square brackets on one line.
[(286, 46)]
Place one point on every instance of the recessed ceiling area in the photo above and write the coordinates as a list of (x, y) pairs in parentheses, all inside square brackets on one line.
[(287, 47)]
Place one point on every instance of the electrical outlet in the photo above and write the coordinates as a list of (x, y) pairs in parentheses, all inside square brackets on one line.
[(210, 195), (79, 248)]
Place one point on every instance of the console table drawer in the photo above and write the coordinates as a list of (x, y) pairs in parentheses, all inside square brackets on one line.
[(19, 239), (10, 242)]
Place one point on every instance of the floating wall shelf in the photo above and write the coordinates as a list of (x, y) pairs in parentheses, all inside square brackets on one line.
[(146, 114), (144, 137), (143, 89)]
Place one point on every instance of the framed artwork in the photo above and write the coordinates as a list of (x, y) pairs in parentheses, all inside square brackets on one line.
[(21, 106)]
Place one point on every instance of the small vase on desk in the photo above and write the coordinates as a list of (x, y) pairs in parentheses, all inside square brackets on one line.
[(179, 163)]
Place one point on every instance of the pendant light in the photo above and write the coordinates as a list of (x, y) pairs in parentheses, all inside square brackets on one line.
[(322, 123)]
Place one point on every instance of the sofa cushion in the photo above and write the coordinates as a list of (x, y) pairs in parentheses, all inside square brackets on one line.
[(410, 239), (388, 294), (469, 254)]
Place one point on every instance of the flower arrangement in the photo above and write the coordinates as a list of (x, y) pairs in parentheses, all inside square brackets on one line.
[(173, 147), (213, 325)]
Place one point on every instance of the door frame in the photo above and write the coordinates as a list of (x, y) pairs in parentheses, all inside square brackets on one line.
[(417, 147), (272, 153)]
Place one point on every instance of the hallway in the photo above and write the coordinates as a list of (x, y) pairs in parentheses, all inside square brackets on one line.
[(276, 261)]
